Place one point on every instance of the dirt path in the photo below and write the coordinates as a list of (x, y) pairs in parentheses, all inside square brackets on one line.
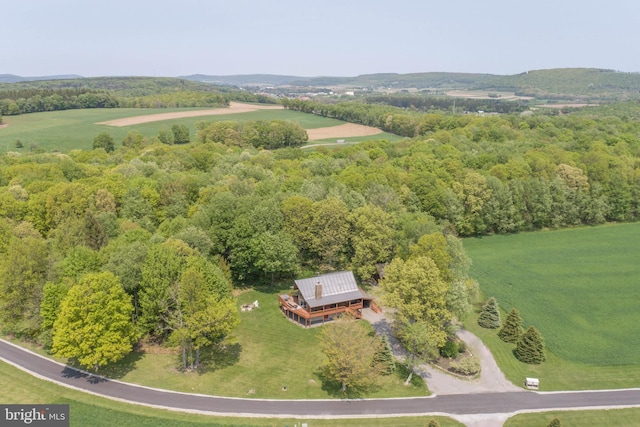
[(234, 108)]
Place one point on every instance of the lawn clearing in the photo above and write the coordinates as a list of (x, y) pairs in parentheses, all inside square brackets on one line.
[(89, 410), (580, 288), (268, 353)]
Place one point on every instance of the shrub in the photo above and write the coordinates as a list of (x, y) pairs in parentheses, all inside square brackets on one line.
[(462, 347), (490, 316), (468, 365), (433, 423), (449, 349)]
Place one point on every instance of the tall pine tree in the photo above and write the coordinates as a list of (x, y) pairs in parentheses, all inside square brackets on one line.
[(384, 359), (490, 316), (530, 347), (512, 329)]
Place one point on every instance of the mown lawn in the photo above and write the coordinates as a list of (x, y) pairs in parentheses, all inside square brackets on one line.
[(267, 353), (612, 417), (75, 129), (88, 410), (580, 288)]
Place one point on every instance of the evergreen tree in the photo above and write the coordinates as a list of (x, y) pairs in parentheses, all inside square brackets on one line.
[(530, 347), (555, 422), (490, 316), (512, 329), (384, 359)]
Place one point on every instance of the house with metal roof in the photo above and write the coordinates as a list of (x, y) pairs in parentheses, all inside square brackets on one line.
[(320, 299)]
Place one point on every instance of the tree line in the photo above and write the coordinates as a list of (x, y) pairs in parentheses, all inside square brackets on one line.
[(447, 103)]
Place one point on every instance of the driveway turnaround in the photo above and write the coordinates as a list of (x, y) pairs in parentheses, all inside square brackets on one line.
[(453, 404)]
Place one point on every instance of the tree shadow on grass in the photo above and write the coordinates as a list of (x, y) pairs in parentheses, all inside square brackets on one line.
[(113, 371), (218, 357), (334, 388)]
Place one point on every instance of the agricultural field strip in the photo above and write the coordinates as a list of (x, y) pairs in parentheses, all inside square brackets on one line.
[(234, 108), (341, 131)]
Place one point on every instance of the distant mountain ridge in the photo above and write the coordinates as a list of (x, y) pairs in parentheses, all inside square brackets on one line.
[(557, 83), (552, 84), (12, 78)]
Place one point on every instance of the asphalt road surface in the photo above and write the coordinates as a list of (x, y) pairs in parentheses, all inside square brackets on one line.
[(455, 404)]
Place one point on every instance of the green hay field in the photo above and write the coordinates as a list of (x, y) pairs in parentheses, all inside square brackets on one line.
[(75, 129), (579, 287)]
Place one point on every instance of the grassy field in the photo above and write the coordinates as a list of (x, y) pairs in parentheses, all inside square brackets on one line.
[(579, 287), (75, 129), (88, 410), (267, 353), (613, 417)]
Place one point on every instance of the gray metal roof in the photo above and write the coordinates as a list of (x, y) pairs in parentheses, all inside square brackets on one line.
[(336, 287)]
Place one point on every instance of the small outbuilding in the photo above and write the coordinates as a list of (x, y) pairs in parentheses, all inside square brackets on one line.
[(532, 383), (322, 298)]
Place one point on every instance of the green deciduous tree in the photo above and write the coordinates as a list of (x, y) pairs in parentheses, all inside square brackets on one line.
[(421, 340), (94, 325), (330, 230), (23, 272), (512, 329), (200, 317), (105, 141), (490, 316), (414, 288), (371, 239), (530, 347), (180, 134), (350, 352)]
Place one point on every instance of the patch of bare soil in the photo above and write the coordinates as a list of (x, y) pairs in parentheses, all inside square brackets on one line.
[(567, 105), (3, 125), (234, 108), (343, 131)]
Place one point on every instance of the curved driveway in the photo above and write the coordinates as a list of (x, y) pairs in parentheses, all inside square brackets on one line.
[(455, 404)]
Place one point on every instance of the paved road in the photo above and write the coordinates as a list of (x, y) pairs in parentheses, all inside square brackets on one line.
[(462, 404)]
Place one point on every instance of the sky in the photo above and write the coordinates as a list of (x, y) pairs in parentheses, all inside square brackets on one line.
[(315, 38)]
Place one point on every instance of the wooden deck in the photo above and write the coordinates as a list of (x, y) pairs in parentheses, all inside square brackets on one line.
[(300, 315)]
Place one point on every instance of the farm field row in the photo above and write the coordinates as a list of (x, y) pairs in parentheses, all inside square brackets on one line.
[(579, 287), (75, 129)]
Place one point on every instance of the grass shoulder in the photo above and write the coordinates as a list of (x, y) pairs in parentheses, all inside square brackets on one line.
[(89, 410), (605, 417)]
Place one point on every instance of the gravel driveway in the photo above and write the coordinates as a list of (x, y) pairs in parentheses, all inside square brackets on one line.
[(491, 378)]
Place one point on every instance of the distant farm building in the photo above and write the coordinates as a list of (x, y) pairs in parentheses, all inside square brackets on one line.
[(320, 299)]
